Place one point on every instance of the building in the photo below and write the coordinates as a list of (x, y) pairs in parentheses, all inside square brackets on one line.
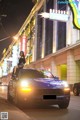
[(51, 44)]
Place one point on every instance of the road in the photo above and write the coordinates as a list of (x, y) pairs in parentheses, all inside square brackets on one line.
[(14, 113), (54, 113), (47, 113)]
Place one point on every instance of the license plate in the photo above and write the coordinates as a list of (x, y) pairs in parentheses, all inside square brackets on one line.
[(49, 97)]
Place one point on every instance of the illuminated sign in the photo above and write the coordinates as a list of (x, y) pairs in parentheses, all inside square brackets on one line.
[(22, 44), (14, 55), (58, 15), (4, 67), (75, 5)]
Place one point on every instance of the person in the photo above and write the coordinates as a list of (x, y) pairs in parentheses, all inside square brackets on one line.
[(20, 64), (21, 59)]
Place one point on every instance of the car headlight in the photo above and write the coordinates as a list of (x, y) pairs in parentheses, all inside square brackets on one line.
[(66, 87), (24, 83), (25, 86), (65, 84)]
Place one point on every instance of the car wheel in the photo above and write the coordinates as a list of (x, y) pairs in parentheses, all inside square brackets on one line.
[(63, 105), (9, 98), (75, 91), (17, 101)]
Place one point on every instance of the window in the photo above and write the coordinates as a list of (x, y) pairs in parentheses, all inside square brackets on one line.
[(49, 29), (61, 27)]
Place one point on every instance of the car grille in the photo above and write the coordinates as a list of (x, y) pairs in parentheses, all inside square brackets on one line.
[(49, 92)]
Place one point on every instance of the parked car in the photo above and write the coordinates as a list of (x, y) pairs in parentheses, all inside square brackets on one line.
[(76, 89), (32, 86)]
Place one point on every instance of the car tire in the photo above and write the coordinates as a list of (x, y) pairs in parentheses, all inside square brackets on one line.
[(9, 98), (75, 91), (17, 101), (63, 105)]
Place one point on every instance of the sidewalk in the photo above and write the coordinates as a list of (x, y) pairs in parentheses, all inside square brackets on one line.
[(13, 112)]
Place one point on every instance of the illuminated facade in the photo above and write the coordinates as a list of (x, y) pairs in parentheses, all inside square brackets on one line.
[(51, 44), (56, 43)]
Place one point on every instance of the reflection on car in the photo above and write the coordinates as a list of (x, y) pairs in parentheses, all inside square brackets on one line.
[(32, 86)]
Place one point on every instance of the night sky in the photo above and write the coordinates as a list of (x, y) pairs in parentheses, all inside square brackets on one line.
[(17, 12)]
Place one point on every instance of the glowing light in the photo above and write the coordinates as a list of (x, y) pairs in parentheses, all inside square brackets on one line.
[(26, 89), (65, 84), (44, 14), (14, 55), (15, 37), (75, 5), (22, 44), (24, 83), (24, 86), (66, 89), (4, 67), (0, 72), (59, 15), (56, 15)]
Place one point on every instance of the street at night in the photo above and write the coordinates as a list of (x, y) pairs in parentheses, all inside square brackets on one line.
[(40, 113)]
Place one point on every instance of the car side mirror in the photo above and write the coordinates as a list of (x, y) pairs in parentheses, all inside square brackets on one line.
[(56, 77)]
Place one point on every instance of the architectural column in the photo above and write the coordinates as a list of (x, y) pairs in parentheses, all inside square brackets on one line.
[(43, 33), (54, 68), (78, 35), (55, 30), (69, 28), (71, 68), (35, 41)]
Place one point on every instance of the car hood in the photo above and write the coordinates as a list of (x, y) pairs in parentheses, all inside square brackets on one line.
[(47, 83)]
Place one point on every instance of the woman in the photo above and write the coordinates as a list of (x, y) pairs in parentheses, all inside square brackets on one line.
[(21, 59), (20, 65)]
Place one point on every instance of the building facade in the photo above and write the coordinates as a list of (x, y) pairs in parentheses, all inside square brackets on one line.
[(56, 44), (52, 44)]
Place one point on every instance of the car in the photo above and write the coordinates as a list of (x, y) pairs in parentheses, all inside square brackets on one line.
[(32, 86), (76, 89)]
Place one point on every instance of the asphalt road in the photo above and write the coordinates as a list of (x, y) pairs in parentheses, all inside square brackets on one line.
[(41, 113), (54, 113)]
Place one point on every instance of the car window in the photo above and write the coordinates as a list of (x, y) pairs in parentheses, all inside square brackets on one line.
[(29, 73), (47, 74)]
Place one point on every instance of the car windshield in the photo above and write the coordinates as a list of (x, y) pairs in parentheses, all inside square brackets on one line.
[(30, 73), (47, 74)]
